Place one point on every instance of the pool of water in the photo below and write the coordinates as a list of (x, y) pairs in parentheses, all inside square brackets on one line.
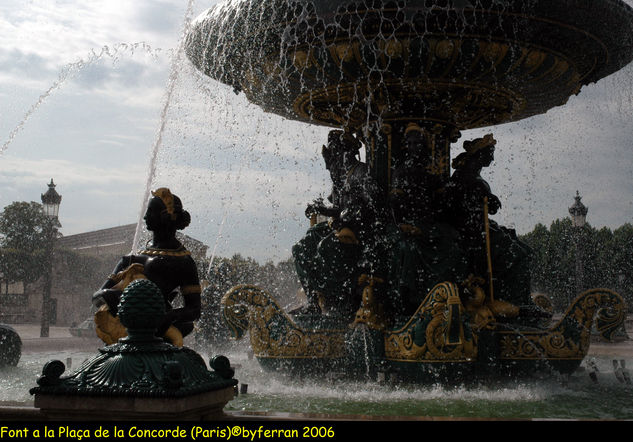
[(579, 397), (15, 382), (551, 397)]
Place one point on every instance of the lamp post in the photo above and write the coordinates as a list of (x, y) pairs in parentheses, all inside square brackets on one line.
[(51, 201), (578, 214)]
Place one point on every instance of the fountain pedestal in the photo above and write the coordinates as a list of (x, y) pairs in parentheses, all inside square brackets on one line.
[(139, 378), (204, 406)]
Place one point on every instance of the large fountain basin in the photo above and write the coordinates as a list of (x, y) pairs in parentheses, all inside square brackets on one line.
[(460, 63)]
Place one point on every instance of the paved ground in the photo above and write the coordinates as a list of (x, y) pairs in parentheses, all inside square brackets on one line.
[(61, 339)]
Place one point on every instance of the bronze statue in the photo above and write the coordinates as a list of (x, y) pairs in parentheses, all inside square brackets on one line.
[(355, 194), (355, 254), (425, 250), (468, 189), (358, 197), (332, 255), (493, 250), (413, 195), (334, 154), (305, 251), (166, 262)]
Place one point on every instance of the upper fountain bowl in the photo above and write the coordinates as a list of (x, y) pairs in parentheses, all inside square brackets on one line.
[(461, 63)]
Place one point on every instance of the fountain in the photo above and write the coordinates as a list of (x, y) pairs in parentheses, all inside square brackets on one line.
[(411, 278), (578, 397), (140, 377)]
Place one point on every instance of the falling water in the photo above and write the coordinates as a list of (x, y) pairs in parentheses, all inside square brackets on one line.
[(217, 240), (173, 76)]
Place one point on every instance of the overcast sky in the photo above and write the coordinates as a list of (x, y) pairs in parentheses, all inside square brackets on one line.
[(87, 87)]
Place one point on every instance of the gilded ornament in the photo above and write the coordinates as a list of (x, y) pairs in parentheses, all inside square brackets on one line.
[(393, 48), (570, 337), (273, 333), (168, 199), (444, 49), (165, 252), (301, 59), (426, 336), (370, 312), (535, 59), (494, 51), (344, 52)]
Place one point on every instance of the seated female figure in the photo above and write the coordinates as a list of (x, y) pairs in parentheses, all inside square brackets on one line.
[(167, 263)]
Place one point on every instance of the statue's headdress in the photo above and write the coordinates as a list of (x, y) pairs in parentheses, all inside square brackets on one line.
[(344, 139), (413, 127), (472, 146), (168, 200)]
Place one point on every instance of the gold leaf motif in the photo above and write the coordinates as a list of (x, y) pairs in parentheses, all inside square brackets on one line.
[(535, 59), (393, 48), (570, 337), (273, 333), (494, 51), (344, 52), (400, 345), (561, 67), (301, 59), (444, 49)]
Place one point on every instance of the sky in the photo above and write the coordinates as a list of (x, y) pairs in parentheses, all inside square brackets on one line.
[(98, 96)]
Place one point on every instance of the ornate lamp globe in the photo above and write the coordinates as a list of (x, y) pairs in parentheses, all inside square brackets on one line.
[(51, 201)]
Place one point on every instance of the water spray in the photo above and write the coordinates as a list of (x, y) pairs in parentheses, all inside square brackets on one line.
[(173, 76), (69, 71)]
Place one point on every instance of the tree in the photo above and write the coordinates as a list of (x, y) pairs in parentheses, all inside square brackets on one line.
[(598, 247), (553, 265), (538, 240), (623, 261), (607, 260), (24, 238)]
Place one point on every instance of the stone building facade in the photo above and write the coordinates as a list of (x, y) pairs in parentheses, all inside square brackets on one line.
[(81, 265)]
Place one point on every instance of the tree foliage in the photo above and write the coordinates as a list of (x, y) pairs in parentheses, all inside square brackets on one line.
[(24, 239), (606, 257)]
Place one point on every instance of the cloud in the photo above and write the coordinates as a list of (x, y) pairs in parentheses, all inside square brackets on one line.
[(32, 172), (159, 16), (68, 29)]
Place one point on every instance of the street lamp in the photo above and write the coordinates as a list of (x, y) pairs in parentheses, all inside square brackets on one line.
[(578, 214), (51, 201)]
